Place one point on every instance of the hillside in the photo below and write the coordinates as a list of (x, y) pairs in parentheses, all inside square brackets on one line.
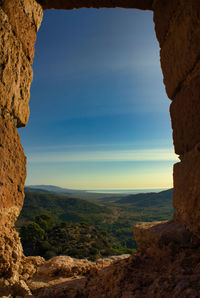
[(52, 224), (160, 199), (72, 193), (79, 240), (53, 189), (113, 215), (60, 207)]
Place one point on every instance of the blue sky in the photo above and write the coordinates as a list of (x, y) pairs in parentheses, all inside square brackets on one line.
[(99, 113)]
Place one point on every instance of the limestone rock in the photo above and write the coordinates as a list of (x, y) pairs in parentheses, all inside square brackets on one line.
[(15, 75), (64, 274), (25, 18), (14, 267), (30, 266), (14, 282), (180, 52), (187, 190), (160, 234), (63, 266), (169, 273), (12, 172), (185, 111), (164, 12), (12, 178)]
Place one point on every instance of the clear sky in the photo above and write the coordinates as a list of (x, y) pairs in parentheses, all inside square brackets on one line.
[(99, 113)]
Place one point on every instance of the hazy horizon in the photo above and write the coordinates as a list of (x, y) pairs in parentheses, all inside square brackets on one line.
[(108, 190)]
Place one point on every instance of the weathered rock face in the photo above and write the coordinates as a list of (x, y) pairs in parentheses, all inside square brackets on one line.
[(50, 277), (19, 21), (12, 163), (179, 41), (177, 25), (25, 18), (171, 271), (16, 75), (160, 234), (185, 111), (12, 170), (12, 178), (187, 190)]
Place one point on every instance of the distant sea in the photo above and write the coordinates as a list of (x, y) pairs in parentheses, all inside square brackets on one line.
[(126, 191)]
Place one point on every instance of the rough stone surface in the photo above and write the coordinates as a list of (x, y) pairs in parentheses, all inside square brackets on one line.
[(181, 50), (15, 75), (185, 114), (51, 277), (170, 272), (25, 18), (12, 178), (19, 21), (69, 4), (177, 24), (144, 276), (160, 234), (164, 12), (187, 190), (14, 284), (12, 172)]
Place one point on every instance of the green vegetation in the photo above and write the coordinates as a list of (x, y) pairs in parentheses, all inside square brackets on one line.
[(54, 224), (79, 240), (61, 208)]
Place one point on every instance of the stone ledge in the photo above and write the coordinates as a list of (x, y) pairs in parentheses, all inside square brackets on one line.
[(160, 234)]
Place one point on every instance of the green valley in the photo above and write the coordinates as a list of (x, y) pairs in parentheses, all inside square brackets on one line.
[(56, 224)]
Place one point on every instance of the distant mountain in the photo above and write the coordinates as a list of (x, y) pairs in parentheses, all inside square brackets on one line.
[(156, 199), (74, 193), (53, 189), (34, 189)]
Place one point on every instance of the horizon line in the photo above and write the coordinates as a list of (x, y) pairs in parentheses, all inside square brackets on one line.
[(90, 189)]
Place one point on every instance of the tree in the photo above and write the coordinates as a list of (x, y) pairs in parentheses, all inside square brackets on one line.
[(45, 221), (30, 236)]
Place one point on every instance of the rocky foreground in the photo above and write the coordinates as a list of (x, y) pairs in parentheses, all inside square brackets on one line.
[(166, 265), (64, 276)]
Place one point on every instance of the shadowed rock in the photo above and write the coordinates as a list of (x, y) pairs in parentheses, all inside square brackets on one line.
[(160, 234)]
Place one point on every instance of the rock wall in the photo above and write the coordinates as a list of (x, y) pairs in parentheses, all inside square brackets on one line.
[(177, 25), (180, 61), (19, 21)]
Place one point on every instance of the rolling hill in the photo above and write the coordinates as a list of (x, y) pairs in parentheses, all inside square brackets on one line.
[(163, 198), (61, 208), (113, 214)]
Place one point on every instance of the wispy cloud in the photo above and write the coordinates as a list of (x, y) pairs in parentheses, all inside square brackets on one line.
[(103, 156)]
